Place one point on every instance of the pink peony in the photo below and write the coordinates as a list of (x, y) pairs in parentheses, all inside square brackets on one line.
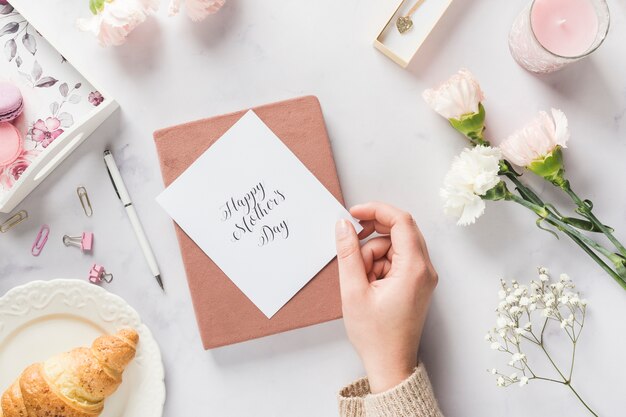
[(197, 9), (46, 132), (117, 19), (11, 173), (538, 139)]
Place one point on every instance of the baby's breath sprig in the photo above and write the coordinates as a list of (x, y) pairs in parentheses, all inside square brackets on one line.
[(523, 315)]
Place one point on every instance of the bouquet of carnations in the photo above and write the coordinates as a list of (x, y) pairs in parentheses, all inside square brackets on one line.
[(484, 172)]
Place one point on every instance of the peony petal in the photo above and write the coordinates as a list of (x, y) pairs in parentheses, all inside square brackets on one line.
[(52, 123), (37, 135), (40, 124), (56, 134)]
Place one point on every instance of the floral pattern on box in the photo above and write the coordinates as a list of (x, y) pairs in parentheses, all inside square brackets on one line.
[(56, 95)]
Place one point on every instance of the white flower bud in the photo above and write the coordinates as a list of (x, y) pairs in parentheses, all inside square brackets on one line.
[(564, 277), (523, 381), (544, 277)]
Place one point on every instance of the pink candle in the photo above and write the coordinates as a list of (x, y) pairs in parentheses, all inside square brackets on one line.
[(551, 34), (565, 27)]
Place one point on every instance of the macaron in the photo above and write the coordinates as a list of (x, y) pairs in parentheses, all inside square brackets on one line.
[(10, 143), (11, 102)]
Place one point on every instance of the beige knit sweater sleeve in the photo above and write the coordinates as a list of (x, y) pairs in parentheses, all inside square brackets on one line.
[(411, 398)]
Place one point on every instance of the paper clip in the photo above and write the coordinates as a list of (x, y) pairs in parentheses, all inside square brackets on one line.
[(97, 274), (40, 241), (84, 241), (84, 200), (13, 221)]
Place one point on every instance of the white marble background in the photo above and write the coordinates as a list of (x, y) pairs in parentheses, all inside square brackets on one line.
[(388, 145)]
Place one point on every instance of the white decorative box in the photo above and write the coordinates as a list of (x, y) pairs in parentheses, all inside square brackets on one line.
[(61, 107), (402, 47)]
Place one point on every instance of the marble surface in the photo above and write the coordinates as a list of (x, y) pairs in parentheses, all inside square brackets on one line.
[(388, 146)]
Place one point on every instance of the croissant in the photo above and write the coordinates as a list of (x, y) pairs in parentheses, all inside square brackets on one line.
[(72, 384)]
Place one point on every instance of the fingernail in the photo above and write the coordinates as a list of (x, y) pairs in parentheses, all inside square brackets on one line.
[(341, 228)]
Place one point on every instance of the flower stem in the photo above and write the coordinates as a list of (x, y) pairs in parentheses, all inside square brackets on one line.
[(581, 400), (531, 196), (585, 209), (566, 381), (583, 241)]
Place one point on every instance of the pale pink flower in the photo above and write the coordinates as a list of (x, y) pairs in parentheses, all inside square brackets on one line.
[(197, 10), (46, 132), (537, 139), (117, 20), (457, 97), (11, 173)]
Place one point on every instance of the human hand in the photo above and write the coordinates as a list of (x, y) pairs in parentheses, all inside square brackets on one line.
[(386, 287)]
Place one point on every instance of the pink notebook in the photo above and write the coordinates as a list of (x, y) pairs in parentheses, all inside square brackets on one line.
[(224, 314)]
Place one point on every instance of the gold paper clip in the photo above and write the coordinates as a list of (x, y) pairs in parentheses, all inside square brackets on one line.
[(84, 200), (13, 221)]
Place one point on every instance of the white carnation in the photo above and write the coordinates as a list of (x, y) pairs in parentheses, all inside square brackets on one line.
[(473, 173)]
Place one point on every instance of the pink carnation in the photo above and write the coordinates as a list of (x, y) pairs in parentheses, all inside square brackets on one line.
[(117, 20), (537, 139)]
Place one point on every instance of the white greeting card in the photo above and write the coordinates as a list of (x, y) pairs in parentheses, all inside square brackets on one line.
[(257, 212)]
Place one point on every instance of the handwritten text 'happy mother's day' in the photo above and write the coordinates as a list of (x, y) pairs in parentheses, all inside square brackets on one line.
[(250, 209)]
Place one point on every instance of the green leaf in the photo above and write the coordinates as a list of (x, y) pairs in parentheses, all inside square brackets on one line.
[(583, 224), (96, 6), (580, 224)]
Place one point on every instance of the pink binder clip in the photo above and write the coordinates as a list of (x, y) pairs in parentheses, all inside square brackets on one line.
[(97, 274), (40, 240), (84, 241)]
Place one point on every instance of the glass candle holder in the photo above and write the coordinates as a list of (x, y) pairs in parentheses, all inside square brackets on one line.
[(551, 34)]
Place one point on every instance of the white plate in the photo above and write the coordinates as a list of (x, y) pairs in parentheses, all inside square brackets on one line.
[(44, 318)]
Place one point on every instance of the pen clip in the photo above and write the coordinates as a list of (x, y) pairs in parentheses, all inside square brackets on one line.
[(107, 152)]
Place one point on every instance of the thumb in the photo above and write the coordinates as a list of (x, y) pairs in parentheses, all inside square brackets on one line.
[(352, 276)]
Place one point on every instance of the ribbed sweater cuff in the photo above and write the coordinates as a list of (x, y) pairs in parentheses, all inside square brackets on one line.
[(351, 398), (413, 397)]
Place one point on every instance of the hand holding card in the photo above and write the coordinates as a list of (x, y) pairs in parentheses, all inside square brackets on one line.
[(257, 212)]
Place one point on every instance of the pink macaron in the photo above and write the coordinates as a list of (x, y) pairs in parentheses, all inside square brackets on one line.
[(10, 143), (11, 102)]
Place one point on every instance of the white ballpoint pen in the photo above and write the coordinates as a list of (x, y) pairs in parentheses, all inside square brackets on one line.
[(122, 193)]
